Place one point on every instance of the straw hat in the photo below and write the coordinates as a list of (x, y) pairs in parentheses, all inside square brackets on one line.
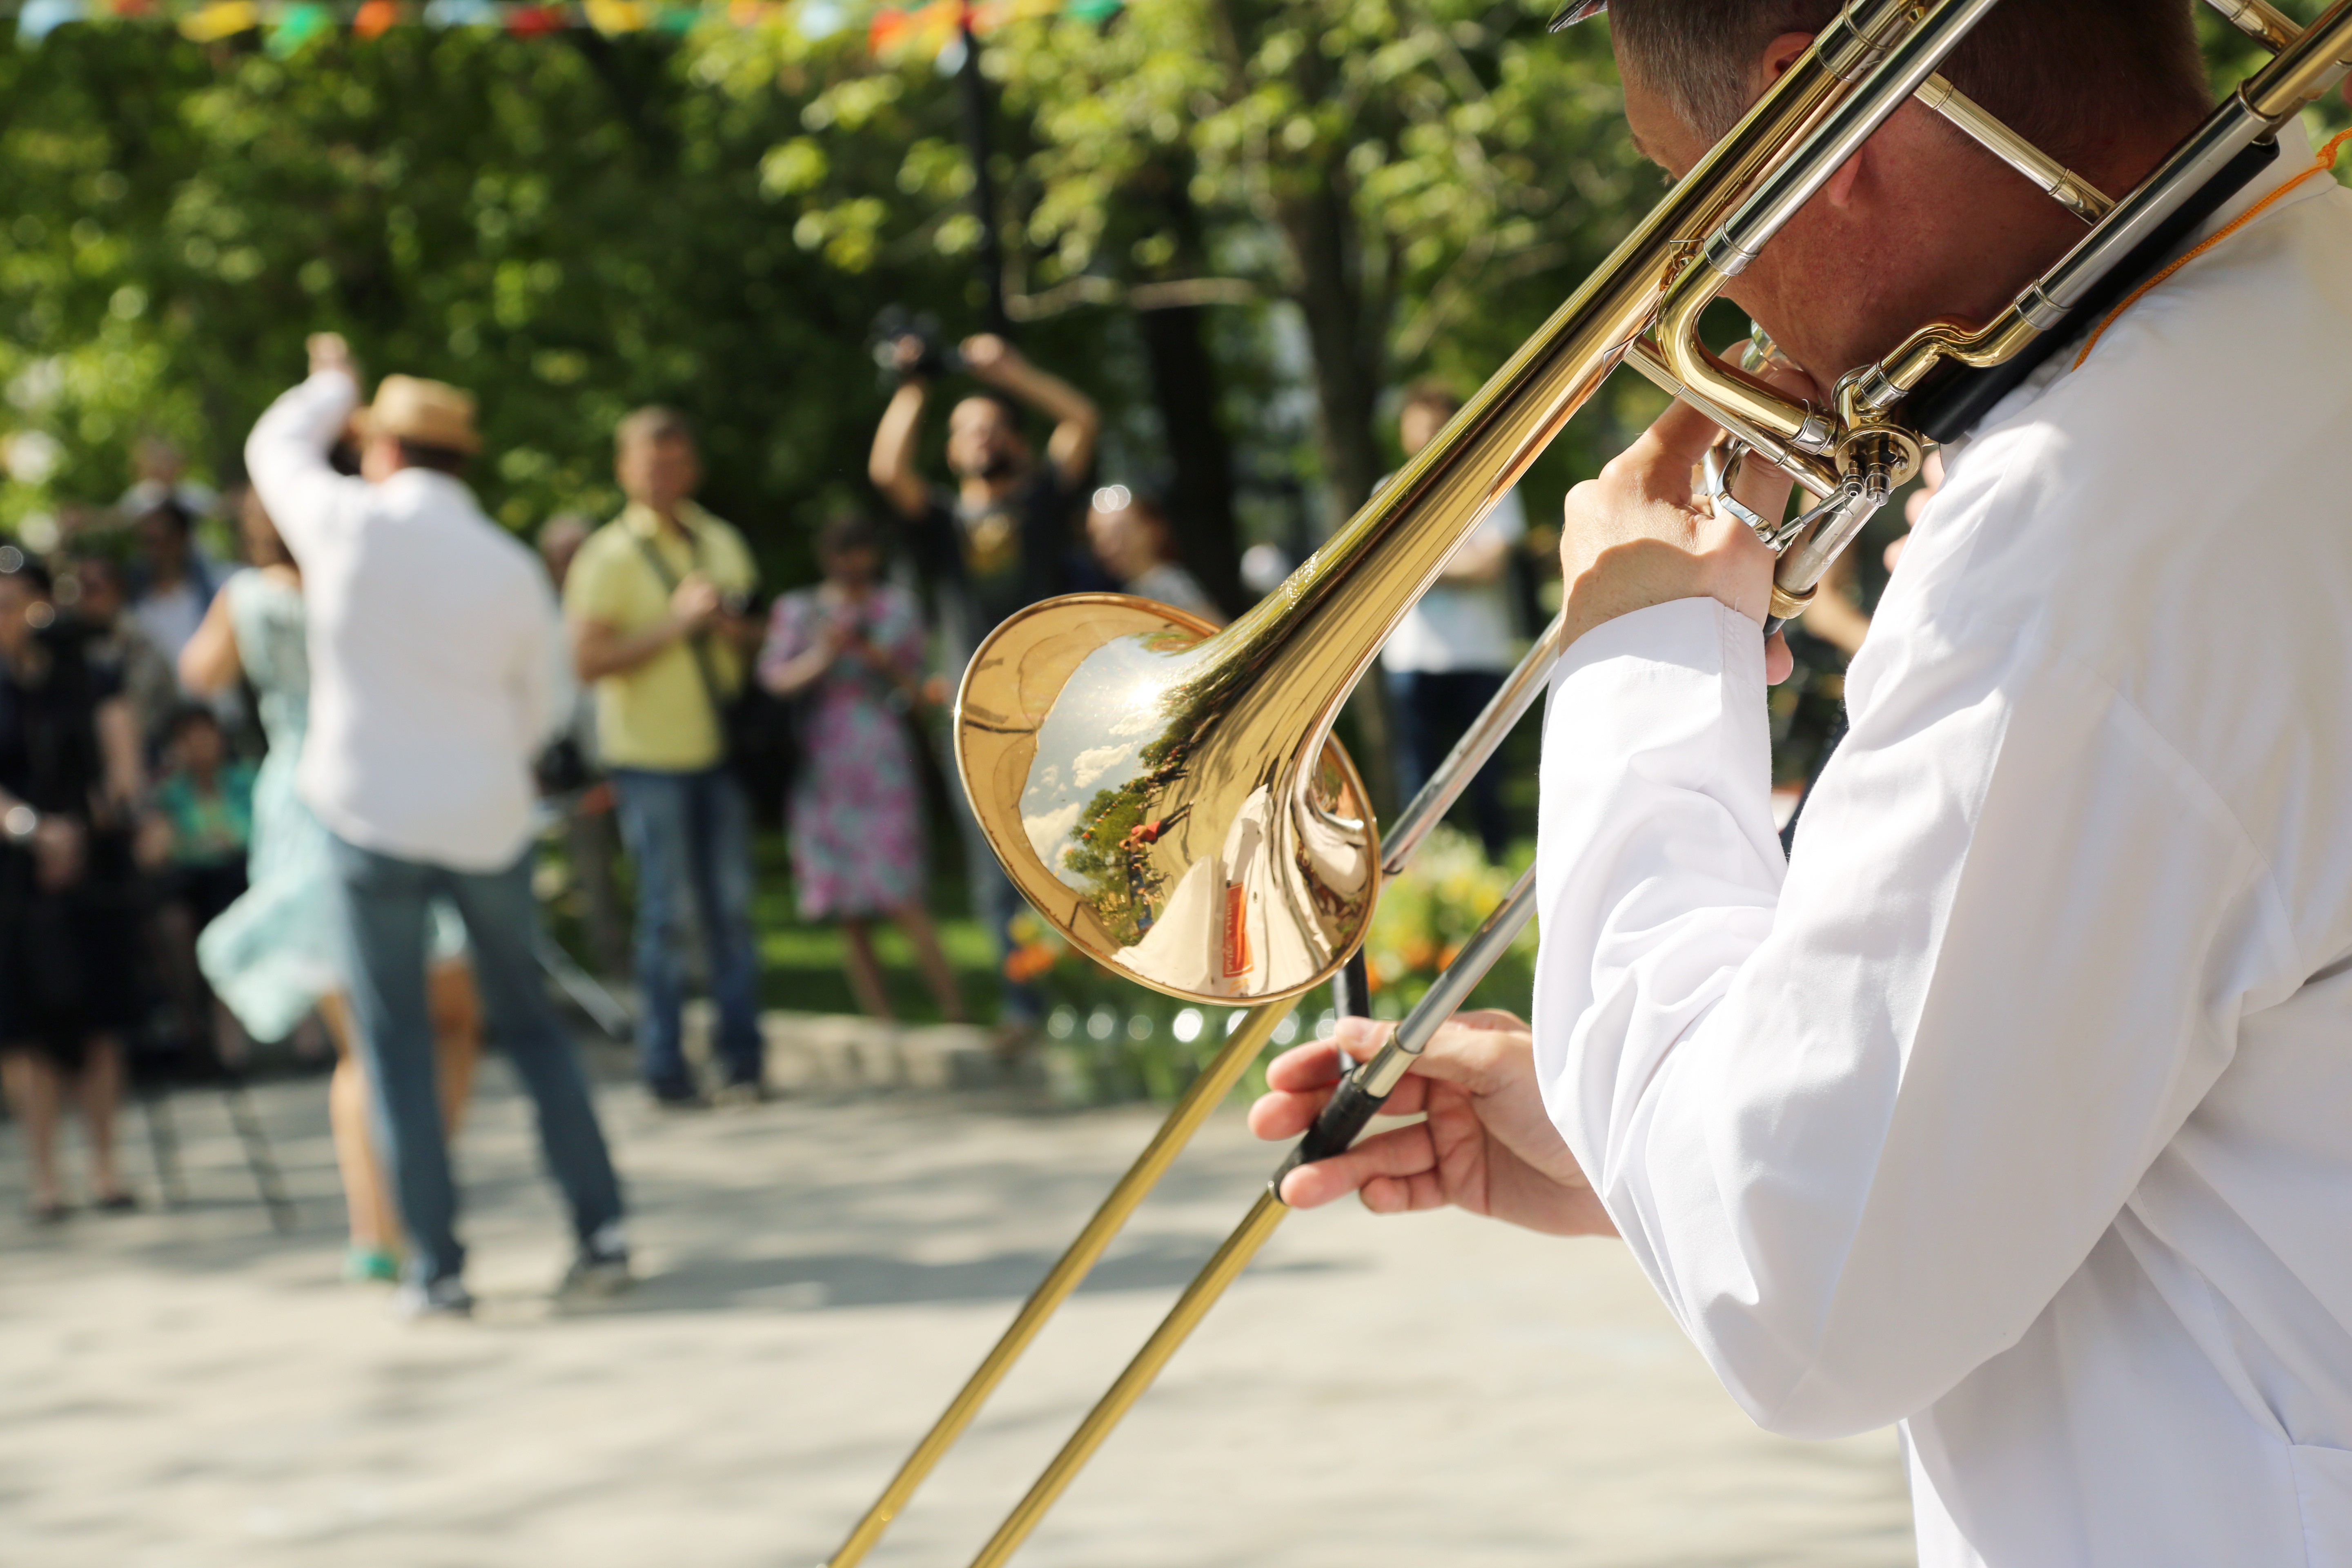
[(429, 413)]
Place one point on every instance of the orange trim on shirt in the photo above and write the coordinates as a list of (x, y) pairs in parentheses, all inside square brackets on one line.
[(2320, 165)]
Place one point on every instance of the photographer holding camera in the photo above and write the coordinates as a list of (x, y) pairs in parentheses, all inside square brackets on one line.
[(658, 600), (1003, 538)]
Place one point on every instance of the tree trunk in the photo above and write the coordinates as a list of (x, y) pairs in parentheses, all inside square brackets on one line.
[(1345, 343), (1200, 482), (1321, 233)]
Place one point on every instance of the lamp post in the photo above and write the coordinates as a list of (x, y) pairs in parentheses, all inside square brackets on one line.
[(984, 183)]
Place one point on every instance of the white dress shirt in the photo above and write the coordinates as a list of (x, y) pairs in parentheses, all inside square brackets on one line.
[(436, 655), (2017, 1103)]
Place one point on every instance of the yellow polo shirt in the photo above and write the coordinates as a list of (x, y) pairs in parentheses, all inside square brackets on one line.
[(658, 716)]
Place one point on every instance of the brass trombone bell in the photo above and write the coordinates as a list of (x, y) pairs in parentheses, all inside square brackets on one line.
[(1152, 800), (1171, 801)]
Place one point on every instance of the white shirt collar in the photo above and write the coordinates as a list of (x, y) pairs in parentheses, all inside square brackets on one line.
[(2294, 157), (429, 485)]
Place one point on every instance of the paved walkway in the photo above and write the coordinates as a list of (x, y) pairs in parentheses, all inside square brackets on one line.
[(191, 1391)]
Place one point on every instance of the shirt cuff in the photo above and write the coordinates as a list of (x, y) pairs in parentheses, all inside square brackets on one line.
[(1669, 697), (1700, 634)]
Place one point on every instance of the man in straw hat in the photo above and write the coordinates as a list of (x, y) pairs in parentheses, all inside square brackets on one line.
[(436, 675), (2015, 1103)]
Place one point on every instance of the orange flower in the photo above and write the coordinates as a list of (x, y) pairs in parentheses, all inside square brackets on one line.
[(1023, 965)]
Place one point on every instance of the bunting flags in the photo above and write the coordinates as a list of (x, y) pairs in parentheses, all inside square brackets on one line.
[(39, 18), (287, 27)]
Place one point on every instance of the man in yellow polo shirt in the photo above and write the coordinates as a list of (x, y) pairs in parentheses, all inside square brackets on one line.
[(656, 600)]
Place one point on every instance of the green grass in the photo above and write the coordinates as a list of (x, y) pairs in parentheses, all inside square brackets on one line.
[(802, 965)]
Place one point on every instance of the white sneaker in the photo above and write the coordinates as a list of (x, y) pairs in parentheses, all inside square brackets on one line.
[(444, 1297), (594, 1277)]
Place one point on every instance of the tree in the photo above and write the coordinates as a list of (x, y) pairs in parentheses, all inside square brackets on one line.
[(569, 226), (1423, 179)]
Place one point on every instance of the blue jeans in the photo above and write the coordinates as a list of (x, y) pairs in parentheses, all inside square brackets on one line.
[(691, 835), (1433, 708), (384, 902)]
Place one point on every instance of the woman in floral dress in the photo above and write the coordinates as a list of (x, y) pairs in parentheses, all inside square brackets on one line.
[(850, 651)]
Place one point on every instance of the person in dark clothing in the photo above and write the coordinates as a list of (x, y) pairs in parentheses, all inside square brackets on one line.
[(1006, 534), (1003, 538), (69, 782)]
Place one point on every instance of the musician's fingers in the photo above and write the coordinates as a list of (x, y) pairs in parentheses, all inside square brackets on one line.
[(1671, 443), (1779, 662), (1405, 1194), (1361, 1037), (1402, 1151), (1315, 1065), (1275, 1114), (1279, 1113)]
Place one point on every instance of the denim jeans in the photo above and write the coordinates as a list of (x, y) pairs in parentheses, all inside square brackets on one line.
[(1433, 708), (691, 835), (383, 903)]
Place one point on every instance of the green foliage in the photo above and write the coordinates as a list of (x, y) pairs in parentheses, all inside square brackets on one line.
[(570, 227), (1480, 163), (1430, 909)]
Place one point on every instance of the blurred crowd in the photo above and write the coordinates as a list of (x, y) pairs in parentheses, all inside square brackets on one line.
[(277, 762)]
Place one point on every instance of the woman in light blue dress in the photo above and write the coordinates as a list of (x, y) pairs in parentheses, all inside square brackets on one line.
[(277, 952)]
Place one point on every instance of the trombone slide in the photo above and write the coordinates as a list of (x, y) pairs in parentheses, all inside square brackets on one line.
[(1359, 1099)]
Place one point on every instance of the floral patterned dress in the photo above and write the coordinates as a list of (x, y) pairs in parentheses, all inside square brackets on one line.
[(857, 813)]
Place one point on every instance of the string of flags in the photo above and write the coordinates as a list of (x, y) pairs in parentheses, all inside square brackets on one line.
[(286, 27)]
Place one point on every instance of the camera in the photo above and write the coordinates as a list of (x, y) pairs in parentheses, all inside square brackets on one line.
[(939, 357)]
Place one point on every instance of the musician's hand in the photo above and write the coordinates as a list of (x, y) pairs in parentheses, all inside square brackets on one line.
[(1638, 535), (1486, 1144)]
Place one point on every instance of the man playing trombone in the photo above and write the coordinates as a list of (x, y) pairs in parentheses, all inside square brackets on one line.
[(2016, 1103)]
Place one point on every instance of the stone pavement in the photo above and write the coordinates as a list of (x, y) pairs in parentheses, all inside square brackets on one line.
[(188, 1390)]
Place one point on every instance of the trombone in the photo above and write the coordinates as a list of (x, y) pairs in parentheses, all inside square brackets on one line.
[(1174, 804), (1207, 1091)]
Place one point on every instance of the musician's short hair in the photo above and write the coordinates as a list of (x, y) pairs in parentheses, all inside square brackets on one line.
[(2065, 74), (653, 422)]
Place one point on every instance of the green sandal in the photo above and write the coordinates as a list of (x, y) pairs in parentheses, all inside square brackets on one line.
[(371, 1266)]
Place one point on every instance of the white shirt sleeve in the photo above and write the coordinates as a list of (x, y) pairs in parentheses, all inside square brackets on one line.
[(286, 456), (1860, 1118)]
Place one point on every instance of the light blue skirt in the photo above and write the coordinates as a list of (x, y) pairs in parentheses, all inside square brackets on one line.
[(272, 954)]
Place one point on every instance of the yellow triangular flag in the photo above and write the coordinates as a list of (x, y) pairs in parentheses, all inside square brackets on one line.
[(619, 15), (223, 19)]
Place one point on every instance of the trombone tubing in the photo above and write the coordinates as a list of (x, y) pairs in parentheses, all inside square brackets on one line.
[(1206, 1092), (1479, 742), (1371, 1084), (1434, 502), (1345, 599)]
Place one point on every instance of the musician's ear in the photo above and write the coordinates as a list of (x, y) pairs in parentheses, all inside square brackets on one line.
[(1777, 57)]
